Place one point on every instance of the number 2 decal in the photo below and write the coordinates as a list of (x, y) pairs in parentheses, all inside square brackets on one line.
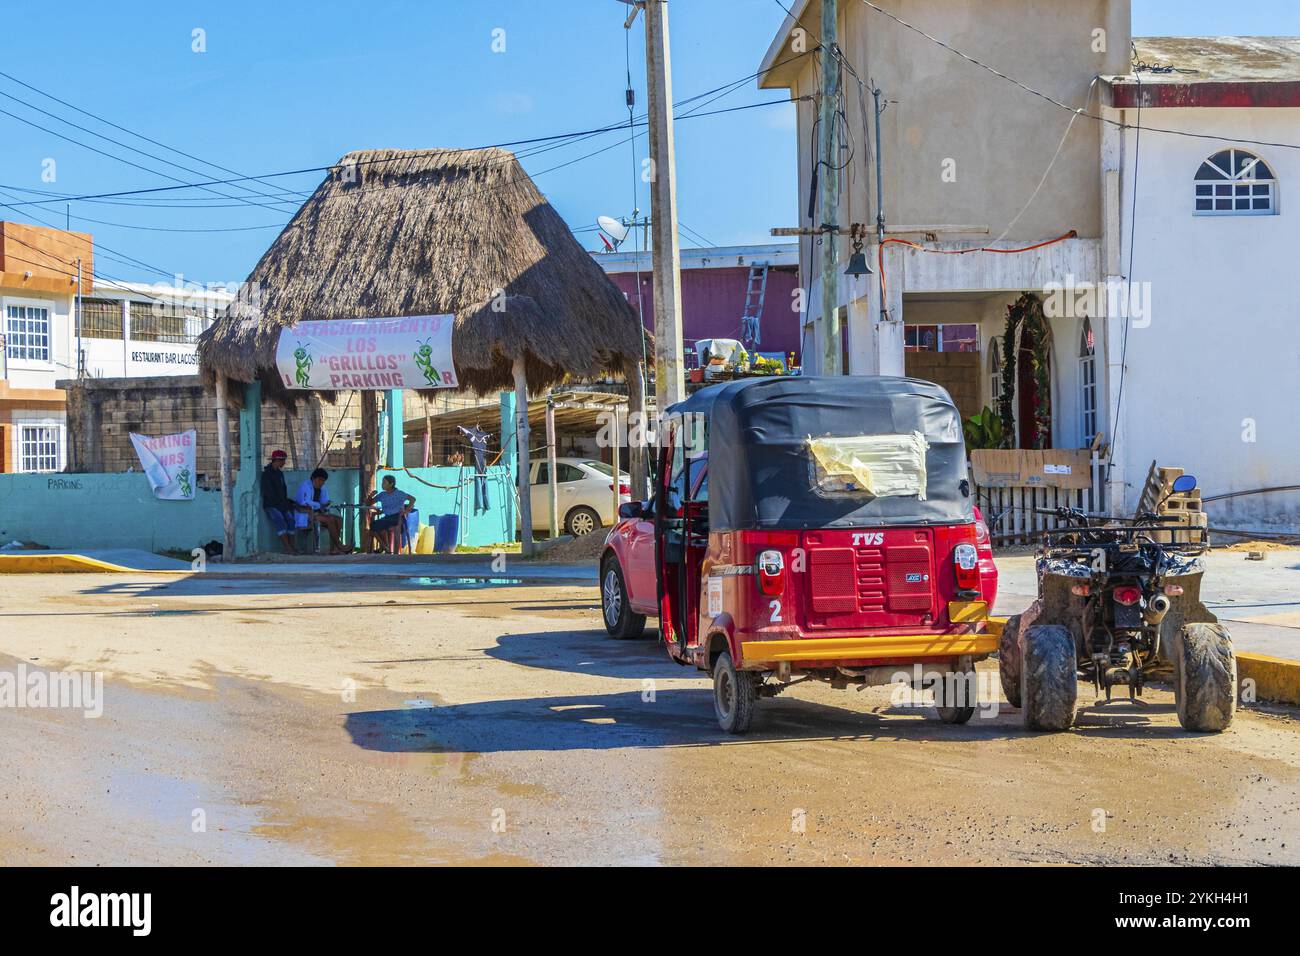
[(776, 611)]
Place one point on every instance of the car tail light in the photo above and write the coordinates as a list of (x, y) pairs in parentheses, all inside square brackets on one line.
[(1082, 590), (771, 572), (966, 561), (1128, 595), (622, 488), (1173, 590)]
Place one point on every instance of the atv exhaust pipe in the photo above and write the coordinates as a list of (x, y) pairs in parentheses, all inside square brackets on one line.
[(1159, 607)]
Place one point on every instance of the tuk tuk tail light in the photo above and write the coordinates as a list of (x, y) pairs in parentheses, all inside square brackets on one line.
[(965, 560), (771, 572)]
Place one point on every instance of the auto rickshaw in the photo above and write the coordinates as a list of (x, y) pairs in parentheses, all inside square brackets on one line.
[(831, 537)]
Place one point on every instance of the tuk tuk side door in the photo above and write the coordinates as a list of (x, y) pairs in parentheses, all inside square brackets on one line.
[(680, 539)]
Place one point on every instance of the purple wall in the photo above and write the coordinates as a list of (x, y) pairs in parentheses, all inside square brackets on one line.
[(713, 301)]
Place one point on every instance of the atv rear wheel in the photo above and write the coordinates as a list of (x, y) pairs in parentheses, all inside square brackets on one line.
[(1049, 684), (1205, 677), (1009, 659)]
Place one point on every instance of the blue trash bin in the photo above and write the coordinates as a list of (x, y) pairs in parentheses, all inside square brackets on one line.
[(445, 533)]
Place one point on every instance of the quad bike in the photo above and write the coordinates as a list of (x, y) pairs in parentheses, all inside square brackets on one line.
[(1116, 604)]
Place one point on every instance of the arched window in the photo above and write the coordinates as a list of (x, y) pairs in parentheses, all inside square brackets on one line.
[(1087, 384), (1234, 182), (995, 372)]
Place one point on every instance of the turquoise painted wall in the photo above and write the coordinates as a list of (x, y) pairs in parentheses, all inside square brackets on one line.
[(120, 511), (104, 511)]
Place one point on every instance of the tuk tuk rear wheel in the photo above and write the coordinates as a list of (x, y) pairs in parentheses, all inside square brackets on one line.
[(735, 694), (621, 623), (954, 713), (1049, 677), (1205, 677)]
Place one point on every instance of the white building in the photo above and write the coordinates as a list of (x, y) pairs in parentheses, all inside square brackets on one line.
[(126, 329), (1201, 369)]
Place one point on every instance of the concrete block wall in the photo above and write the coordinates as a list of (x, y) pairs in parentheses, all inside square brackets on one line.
[(101, 414)]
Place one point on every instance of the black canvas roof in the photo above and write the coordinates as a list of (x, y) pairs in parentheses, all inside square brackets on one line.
[(760, 469)]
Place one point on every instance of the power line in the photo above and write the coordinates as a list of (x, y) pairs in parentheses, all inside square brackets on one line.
[(131, 132), (333, 166), (1057, 103), (100, 249), (109, 155), (1128, 292)]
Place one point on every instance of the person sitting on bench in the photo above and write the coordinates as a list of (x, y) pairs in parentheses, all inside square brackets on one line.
[(313, 496), (275, 501), (394, 504)]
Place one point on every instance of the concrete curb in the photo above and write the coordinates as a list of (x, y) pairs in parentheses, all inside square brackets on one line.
[(71, 564), (1276, 679)]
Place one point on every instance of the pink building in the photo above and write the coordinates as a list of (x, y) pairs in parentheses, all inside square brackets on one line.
[(715, 282)]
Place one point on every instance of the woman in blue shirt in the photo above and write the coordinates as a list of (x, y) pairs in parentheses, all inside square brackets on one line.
[(395, 505)]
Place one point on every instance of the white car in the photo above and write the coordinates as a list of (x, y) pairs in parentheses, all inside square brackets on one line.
[(584, 491)]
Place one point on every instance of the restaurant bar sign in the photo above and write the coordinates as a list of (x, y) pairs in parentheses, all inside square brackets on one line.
[(411, 351)]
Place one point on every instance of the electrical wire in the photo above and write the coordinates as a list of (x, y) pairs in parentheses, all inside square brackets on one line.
[(120, 159), (1128, 304), (1043, 179), (334, 166), (107, 122), (1120, 124)]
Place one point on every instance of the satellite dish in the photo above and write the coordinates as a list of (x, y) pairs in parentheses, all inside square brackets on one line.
[(613, 228)]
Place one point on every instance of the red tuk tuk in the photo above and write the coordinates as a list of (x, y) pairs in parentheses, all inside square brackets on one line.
[(831, 536)]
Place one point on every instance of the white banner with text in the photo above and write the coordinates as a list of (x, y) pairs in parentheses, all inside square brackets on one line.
[(408, 352)]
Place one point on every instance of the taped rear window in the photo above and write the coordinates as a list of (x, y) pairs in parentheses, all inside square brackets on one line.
[(876, 466)]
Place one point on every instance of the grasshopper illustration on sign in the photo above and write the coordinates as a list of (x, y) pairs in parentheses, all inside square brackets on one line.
[(303, 362), (422, 359), (183, 481)]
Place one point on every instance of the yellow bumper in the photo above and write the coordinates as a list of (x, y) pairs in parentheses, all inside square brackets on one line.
[(982, 639)]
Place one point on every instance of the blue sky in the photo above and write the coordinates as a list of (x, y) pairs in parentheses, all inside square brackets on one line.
[(286, 85)]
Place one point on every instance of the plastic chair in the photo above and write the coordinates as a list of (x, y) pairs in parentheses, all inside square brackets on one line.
[(399, 537), (311, 529)]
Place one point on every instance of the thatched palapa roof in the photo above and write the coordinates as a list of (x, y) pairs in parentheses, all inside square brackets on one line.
[(429, 232)]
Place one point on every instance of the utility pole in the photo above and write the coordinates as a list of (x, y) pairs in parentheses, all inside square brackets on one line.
[(670, 381), (828, 154)]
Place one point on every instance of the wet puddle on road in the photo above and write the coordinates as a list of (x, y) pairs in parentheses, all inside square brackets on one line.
[(463, 584)]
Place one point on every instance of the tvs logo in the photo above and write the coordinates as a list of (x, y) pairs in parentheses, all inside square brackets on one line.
[(869, 538), (915, 578)]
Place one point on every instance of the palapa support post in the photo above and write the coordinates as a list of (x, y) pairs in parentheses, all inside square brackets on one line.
[(552, 490), (614, 466), (522, 440), (395, 420), (369, 451), (637, 431), (227, 469)]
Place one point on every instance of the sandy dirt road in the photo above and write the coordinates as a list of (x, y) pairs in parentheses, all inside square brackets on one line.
[(281, 721)]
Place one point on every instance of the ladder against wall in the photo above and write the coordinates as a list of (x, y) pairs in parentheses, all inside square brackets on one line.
[(751, 329)]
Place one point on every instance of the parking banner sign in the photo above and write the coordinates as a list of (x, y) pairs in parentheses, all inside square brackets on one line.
[(411, 351), (168, 463)]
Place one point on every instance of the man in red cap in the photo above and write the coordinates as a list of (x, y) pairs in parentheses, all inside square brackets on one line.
[(275, 500)]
